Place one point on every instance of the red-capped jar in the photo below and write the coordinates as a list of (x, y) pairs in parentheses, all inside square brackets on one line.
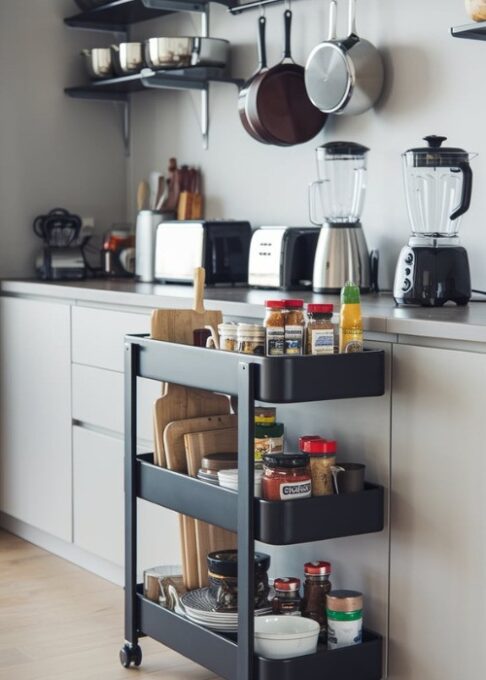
[(287, 600), (316, 587), (320, 331), (274, 322), (294, 327), (286, 477), (322, 458)]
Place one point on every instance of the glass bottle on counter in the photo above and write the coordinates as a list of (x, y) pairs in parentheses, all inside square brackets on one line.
[(351, 323), (316, 588), (287, 600), (320, 331)]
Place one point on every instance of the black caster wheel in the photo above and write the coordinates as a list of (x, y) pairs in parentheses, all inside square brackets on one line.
[(130, 655)]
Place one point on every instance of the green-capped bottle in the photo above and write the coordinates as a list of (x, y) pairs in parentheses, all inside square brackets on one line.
[(351, 322)]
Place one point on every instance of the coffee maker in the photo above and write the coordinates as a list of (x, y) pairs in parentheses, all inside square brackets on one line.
[(335, 204), (434, 268)]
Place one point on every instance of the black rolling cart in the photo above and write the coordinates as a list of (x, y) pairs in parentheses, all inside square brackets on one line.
[(250, 378)]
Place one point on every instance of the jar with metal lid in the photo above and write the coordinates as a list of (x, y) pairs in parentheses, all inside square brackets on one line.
[(265, 415), (344, 618), (268, 439), (287, 600), (322, 459), (274, 323), (320, 331), (316, 587), (294, 327), (251, 339), (223, 580), (227, 336), (286, 477)]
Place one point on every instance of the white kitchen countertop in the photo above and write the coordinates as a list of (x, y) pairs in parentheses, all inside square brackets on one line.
[(380, 313)]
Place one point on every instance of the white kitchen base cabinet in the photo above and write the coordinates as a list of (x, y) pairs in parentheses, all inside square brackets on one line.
[(438, 513), (35, 433)]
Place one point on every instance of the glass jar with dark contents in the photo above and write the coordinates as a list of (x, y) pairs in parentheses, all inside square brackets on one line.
[(223, 580), (316, 587), (287, 600), (286, 477)]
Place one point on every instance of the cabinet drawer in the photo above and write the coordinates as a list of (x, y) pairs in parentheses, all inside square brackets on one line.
[(98, 399), (98, 335), (99, 506)]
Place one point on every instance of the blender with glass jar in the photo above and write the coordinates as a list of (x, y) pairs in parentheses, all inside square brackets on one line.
[(336, 203), (434, 268)]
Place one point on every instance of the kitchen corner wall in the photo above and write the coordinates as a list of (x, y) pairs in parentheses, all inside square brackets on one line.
[(54, 151), (435, 85)]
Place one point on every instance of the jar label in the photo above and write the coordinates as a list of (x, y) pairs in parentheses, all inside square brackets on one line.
[(344, 633), (290, 490), (275, 341), (322, 341), (294, 339), (266, 445)]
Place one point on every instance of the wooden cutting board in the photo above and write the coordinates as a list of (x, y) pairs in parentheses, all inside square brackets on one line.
[(210, 538)]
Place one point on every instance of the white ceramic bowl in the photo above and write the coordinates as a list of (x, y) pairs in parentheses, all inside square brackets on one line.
[(228, 479), (285, 637)]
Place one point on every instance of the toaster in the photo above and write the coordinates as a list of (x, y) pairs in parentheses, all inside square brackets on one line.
[(282, 257), (221, 247)]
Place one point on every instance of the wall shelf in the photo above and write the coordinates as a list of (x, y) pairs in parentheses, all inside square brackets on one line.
[(476, 31)]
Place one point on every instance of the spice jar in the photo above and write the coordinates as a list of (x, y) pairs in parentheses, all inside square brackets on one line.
[(294, 327), (287, 600), (316, 587), (320, 332), (268, 439), (476, 9), (322, 458), (223, 580), (274, 323), (265, 415), (344, 618), (286, 477), (227, 336), (250, 339)]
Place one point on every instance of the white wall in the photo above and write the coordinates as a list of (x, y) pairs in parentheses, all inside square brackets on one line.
[(435, 85), (54, 151)]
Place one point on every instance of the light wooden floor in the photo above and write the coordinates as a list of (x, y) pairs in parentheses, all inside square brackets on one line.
[(59, 622)]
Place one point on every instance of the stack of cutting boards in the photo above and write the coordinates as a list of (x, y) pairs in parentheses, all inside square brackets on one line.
[(188, 425)]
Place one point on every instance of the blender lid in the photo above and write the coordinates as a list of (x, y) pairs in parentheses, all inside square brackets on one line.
[(343, 149), (436, 155)]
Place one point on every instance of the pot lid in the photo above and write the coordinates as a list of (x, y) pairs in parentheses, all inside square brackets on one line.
[(344, 149), (436, 155)]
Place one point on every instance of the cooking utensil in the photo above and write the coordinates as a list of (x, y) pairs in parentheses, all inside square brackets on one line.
[(278, 106), (251, 82), (99, 62), (143, 194), (127, 58), (181, 52), (344, 76)]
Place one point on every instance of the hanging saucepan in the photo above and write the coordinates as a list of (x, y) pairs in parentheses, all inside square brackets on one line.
[(344, 76), (277, 105), (249, 84)]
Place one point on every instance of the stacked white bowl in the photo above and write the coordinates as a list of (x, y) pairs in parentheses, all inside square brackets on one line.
[(229, 480)]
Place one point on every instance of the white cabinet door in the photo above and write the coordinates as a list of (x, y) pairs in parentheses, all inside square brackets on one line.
[(35, 434), (438, 514)]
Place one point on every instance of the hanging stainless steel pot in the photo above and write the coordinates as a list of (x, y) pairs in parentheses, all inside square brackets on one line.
[(344, 76)]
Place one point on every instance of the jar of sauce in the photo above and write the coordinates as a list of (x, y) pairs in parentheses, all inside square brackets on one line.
[(287, 600), (286, 477), (316, 588)]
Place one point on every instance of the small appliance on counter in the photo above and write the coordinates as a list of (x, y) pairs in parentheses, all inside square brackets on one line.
[(62, 256), (221, 247), (335, 203), (145, 235), (282, 257), (434, 268), (118, 253)]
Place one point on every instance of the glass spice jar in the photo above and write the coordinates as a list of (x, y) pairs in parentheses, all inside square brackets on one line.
[(294, 327), (322, 459), (227, 336), (268, 439), (274, 323), (250, 339), (344, 618), (316, 587), (286, 477), (287, 600), (320, 331)]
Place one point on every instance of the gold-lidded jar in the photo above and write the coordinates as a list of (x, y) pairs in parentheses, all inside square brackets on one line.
[(344, 609)]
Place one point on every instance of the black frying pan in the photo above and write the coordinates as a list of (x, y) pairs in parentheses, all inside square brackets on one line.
[(249, 84), (278, 107)]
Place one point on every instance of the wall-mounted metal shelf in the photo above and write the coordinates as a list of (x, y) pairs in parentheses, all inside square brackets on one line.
[(476, 31)]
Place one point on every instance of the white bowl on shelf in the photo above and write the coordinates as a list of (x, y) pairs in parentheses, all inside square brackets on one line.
[(228, 479), (285, 637)]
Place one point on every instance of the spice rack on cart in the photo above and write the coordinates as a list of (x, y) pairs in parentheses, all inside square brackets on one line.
[(250, 378)]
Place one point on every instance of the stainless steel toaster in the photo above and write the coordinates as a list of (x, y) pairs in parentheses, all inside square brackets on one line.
[(220, 246), (282, 257)]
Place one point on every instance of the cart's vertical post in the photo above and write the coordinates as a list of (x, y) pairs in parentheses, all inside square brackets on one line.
[(131, 365), (246, 547)]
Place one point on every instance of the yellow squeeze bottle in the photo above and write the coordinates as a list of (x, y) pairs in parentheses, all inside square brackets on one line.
[(351, 322)]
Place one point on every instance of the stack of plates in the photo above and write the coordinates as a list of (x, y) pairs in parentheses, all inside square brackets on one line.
[(229, 480), (198, 606)]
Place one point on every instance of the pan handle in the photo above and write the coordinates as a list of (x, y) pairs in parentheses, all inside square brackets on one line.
[(288, 27), (352, 30), (262, 45), (313, 196), (333, 20)]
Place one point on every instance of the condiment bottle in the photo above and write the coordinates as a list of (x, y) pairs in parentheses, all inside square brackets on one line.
[(294, 327), (322, 458), (287, 600), (227, 336), (274, 323), (344, 618), (269, 438), (251, 339), (316, 587), (286, 477), (320, 331), (351, 323), (265, 415)]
